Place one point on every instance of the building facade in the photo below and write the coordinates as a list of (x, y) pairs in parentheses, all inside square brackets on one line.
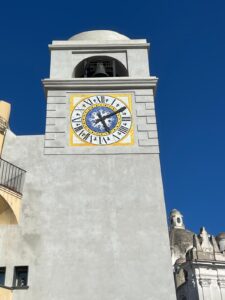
[(82, 212), (198, 261)]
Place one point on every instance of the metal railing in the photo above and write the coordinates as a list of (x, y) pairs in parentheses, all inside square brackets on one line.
[(11, 176)]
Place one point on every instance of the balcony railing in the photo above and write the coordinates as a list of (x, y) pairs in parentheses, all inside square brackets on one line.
[(11, 176)]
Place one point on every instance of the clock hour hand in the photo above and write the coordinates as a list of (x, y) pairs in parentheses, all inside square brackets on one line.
[(112, 114), (103, 122)]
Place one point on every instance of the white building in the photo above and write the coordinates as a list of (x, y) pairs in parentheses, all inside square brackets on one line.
[(198, 261), (87, 219)]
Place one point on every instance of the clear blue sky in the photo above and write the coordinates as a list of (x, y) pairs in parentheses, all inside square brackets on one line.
[(187, 54)]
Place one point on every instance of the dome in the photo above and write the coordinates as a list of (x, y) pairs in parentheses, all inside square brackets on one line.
[(176, 219), (221, 236), (99, 35), (175, 212)]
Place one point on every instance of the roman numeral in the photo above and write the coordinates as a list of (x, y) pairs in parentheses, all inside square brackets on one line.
[(104, 140), (113, 101), (101, 99), (78, 119), (86, 136), (126, 119), (123, 129), (116, 136), (78, 128), (88, 101)]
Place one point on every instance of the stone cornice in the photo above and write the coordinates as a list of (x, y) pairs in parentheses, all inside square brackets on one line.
[(79, 46), (100, 84), (203, 264), (206, 263)]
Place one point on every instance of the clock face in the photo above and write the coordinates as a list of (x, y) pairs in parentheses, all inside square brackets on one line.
[(101, 120)]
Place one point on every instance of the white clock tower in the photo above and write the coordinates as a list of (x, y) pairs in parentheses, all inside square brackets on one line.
[(93, 221)]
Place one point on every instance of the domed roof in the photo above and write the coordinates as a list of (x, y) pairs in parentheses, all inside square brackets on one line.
[(99, 35), (221, 236), (175, 212)]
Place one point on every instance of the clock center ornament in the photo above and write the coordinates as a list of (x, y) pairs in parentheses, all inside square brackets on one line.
[(101, 120)]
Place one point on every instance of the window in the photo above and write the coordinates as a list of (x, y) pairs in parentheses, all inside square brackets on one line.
[(2, 275), (178, 220), (20, 277)]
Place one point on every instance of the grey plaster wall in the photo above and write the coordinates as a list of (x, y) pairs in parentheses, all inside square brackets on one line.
[(91, 226)]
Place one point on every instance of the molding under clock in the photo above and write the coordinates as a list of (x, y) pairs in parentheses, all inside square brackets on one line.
[(99, 84)]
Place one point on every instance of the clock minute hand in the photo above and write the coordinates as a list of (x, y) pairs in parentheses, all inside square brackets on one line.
[(110, 115), (115, 112)]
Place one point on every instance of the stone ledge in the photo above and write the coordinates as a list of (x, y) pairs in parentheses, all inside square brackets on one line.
[(99, 84)]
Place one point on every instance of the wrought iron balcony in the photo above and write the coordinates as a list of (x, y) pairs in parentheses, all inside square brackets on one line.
[(11, 176)]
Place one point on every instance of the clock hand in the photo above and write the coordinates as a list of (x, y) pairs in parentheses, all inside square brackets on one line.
[(115, 112), (110, 115), (103, 122)]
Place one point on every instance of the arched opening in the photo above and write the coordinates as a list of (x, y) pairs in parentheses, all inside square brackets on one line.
[(7, 215), (100, 66)]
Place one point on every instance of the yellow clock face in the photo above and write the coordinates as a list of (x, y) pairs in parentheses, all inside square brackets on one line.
[(101, 120)]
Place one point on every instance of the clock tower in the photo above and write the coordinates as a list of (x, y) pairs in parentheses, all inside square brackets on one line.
[(91, 219), (101, 122)]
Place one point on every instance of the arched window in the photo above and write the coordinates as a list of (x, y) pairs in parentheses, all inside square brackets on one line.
[(100, 66)]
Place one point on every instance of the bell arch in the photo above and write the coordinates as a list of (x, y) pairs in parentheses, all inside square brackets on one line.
[(100, 66)]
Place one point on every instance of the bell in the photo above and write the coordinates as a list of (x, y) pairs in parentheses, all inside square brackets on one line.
[(100, 71)]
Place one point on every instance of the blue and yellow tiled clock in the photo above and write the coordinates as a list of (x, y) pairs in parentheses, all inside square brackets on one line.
[(101, 120)]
